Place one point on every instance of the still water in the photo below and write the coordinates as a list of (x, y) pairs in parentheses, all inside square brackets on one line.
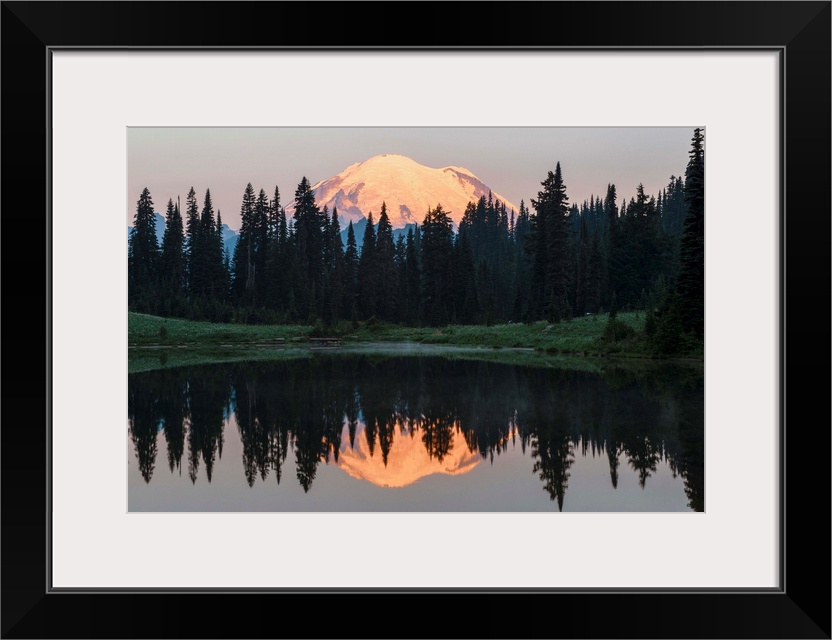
[(336, 431)]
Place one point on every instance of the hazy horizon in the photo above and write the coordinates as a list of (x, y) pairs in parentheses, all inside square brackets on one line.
[(510, 160)]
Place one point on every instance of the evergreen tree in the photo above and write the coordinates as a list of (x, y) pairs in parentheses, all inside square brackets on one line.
[(172, 262), (550, 251), (244, 274), (412, 312), (192, 232), (401, 277), (691, 283), (639, 258), (208, 277), (262, 215), (143, 256), (274, 215), (610, 274), (368, 288), (201, 258), (504, 266), (282, 282), (350, 279), (668, 330), (522, 257), (385, 267), (309, 241), (290, 272), (582, 275), (274, 292), (593, 275), (437, 251), (220, 273), (673, 207), (334, 269), (465, 303)]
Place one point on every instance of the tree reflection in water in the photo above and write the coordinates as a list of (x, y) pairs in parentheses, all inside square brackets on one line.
[(324, 407)]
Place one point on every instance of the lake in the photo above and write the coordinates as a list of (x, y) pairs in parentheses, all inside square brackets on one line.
[(420, 430)]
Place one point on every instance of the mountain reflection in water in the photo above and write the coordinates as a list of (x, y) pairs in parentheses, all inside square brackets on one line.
[(390, 423)]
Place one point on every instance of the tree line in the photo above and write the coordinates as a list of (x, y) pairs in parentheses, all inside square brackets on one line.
[(552, 260)]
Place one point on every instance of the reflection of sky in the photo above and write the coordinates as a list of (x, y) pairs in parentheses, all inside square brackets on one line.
[(506, 484), (512, 161)]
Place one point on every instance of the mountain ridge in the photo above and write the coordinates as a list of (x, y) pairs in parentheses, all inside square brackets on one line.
[(229, 236), (407, 187)]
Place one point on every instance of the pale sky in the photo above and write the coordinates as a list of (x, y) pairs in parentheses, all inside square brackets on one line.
[(510, 160)]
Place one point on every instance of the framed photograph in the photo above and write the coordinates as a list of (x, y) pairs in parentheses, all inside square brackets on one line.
[(393, 338), (553, 455)]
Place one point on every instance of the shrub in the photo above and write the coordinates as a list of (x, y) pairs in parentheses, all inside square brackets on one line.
[(616, 331), (318, 330), (667, 339)]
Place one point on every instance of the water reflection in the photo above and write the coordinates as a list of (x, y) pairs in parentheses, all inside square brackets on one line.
[(394, 421)]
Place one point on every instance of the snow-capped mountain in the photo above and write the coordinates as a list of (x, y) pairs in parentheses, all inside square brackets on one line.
[(407, 187), (408, 460)]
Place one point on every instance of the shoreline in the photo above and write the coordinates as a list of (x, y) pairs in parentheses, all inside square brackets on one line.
[(578, 339)]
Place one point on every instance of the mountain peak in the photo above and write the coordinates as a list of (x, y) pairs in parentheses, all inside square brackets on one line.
[(390, 157), (407, 187)]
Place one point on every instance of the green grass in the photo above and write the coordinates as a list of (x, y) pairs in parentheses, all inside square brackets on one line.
[(143, 329), (578, 337)]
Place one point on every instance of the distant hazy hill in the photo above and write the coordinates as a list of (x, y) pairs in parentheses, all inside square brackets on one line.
[(229, 237), (361, 226)]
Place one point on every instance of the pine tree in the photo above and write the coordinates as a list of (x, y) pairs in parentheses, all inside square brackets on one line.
[(641, 258), (593, 275), (201, 281), (208, 280), (550, 251), (220, 274), (582, 275), (464, 298), (503, 265), (368, 288), (282, 283), (334, 268), (673, 207), (192, 233), (274, 214), (308, 236), (172, 262), (262, 214), (350, 279), (244, 275), (143, 256), (413, 280), (437, 250), (401, 278), (610, 274), (385, 267), (522, 257), (277, 220), (691, 283)]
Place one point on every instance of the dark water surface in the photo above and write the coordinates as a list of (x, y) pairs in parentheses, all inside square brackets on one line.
[(338, 431)]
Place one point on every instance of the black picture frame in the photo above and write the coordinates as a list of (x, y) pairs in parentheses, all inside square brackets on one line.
[(800, 31)]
